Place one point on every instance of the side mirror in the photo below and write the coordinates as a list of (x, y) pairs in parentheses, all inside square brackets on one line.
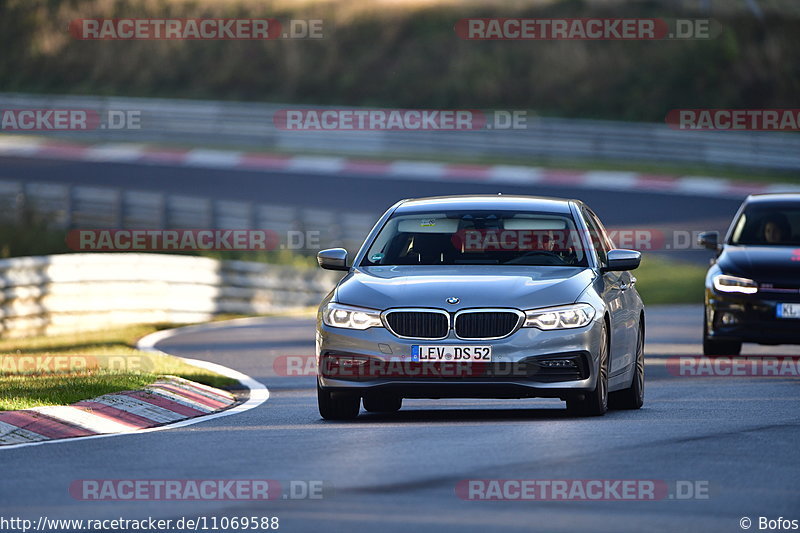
[(619, 259), (333, 259), (709, 239)]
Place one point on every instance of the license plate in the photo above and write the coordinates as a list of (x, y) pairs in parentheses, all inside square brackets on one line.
[(788, 310), (437, 352)]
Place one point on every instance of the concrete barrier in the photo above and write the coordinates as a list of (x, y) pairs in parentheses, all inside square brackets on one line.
[(80, 292)]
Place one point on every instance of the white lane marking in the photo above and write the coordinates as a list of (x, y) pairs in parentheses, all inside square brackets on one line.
[(417, 169), (602, 179), (114, 152), (781, 187), (201, 157), (514, 174), (316, 164), (702, 185), (258, 391), (19, 146), (82, 419)]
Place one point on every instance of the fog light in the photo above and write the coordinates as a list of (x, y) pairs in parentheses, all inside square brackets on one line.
[(558, 363), (728, 319), (349, 361), (342, 365)]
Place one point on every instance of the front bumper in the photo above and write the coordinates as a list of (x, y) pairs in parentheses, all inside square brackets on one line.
[(516, 370), (755, 318)]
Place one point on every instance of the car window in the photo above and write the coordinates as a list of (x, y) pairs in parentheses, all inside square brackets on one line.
[(477, 238), (768, 225), (597, 234)]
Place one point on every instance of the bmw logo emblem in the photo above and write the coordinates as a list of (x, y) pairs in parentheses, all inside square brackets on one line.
[(453, 300)]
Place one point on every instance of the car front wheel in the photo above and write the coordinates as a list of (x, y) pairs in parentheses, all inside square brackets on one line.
[(337, 407), (633, 396), (595, 403), (382, 403), (713, 347)]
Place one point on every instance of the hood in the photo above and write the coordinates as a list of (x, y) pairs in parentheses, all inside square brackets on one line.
[(520, 287), (775, 264)]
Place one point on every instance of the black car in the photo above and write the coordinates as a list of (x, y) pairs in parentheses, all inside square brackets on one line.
[(753, 285)]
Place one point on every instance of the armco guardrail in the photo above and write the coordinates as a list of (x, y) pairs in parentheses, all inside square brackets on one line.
[(251, 125), (79, 292), (84, 207)]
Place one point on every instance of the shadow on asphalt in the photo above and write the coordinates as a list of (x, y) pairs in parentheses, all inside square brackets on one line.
[(469, 415)]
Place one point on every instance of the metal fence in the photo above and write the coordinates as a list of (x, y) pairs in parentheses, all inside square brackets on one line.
[(251, 125), (80, 292), (85, 207)]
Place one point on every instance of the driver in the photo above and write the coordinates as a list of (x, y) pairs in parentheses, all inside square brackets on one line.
[(775, 228)]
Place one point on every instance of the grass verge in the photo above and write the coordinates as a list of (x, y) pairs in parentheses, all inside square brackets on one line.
[(64, 369), (663, 281)]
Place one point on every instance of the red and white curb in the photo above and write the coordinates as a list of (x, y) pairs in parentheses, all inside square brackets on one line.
[(168, 400), (171, 402), (401, 169)]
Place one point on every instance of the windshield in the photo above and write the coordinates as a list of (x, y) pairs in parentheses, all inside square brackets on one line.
[(768, 225), (477, 238)]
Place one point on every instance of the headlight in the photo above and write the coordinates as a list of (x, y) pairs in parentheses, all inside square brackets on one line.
[(725, 283), (346, 316), (564, 317)]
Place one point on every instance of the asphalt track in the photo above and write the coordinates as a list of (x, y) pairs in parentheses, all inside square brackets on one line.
[(735, 435), (364, 193), (373, 194)]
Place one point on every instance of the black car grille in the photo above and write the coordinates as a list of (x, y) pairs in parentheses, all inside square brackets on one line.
[(418, 324), (791, 291), (486, 324)]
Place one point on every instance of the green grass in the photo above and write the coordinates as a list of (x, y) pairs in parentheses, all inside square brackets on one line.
[(113, 365), (663, 281)]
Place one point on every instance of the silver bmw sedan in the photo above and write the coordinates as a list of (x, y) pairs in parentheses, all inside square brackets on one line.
[(482, 297)]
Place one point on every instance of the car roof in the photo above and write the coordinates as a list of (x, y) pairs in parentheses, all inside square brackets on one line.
[(779, 197), (487, 202)]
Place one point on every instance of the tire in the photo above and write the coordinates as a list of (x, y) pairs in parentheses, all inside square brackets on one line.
[(595, 403), (339, 407), (633, 396), (713, 347), (380, 403)]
